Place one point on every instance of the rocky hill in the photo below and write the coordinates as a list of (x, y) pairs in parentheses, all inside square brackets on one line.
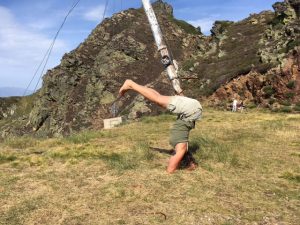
[(255, 60)]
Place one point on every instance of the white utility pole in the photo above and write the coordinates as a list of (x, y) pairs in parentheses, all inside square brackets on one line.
[(162, 48)]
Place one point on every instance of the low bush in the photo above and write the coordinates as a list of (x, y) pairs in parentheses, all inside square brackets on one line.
[(292, 44), (290, 95), (286, 109), (251, 105), (272, 101), (291, 84), (268, 90), (188, 64), (296, 108), (285, 103)]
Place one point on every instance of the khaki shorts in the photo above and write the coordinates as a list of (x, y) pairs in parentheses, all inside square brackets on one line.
[(180, 131)]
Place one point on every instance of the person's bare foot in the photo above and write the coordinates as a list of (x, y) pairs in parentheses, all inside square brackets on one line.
[(126, 86)]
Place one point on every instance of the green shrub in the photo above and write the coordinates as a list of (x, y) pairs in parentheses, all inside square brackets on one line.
[(290, 95), (296, 108), (292, 44), (277, 21), (272, 101), (251, 105), (285, 103), (291, 84), (286, 109), (268, 90), (188, 64)]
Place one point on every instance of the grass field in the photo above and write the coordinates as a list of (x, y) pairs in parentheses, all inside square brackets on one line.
[(249, 173)]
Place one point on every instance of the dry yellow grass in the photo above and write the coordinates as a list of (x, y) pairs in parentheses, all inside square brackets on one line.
[(248, 174)]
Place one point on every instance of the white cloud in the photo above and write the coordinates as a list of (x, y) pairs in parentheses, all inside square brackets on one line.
[(42, 24), (94, 14), (21, 50), (204, 24)]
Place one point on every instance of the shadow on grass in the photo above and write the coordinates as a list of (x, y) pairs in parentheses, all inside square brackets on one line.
[(188, 158), (163, 151)]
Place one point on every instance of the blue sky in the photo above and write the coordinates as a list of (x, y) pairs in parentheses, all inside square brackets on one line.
[(27, 27)]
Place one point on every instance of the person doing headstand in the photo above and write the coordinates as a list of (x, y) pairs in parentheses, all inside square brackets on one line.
[(188, 110)]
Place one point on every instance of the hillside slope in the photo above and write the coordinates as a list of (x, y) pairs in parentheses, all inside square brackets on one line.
[(78, 93)]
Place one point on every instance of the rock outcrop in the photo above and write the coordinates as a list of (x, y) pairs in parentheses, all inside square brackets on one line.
[(256, 59), (277, 88), (79, 93)]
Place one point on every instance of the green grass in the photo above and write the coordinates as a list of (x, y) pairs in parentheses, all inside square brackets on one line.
[(17, 214), (286, 109), (210, 149), (83, 137), (291, 177), (190, 29), (7, 158), (248, 171), (20, 143)]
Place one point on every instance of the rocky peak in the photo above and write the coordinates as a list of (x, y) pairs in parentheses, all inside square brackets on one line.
[(296, 5), (219, 27), (163, 7), (287, 10), (280, 7)]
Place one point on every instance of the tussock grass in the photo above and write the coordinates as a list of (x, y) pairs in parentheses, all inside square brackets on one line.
[(7, 158), (18, 213), (290, 176), (210, 149), (248, 174), (20, 143), (83, 137), (129, 160)]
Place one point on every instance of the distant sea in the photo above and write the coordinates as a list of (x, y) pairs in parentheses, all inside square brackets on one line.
[(13, 91)]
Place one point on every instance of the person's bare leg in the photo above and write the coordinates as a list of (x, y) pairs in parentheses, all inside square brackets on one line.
[(175, 160), (147, 92)]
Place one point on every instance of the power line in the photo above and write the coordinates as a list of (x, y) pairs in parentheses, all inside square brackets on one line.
[(49, 51), (105, 9)]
